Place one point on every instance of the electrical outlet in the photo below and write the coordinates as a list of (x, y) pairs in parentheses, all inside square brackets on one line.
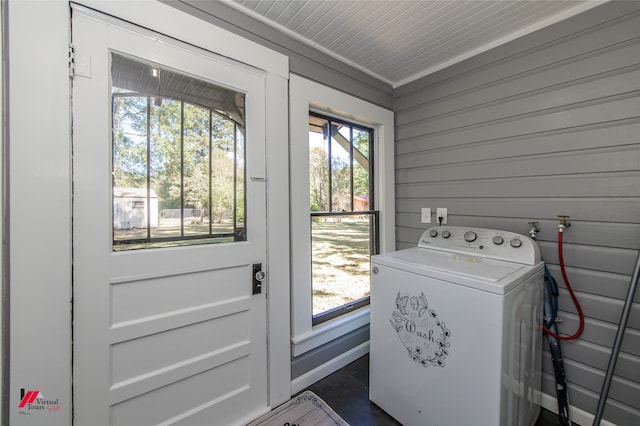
[(426, 215), (441, 213)]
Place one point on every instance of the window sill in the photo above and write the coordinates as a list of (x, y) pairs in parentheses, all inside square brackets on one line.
[(330, 330)]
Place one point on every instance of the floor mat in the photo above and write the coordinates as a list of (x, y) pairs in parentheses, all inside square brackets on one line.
[(306, 409)]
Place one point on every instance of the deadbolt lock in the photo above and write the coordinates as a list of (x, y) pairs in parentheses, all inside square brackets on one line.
[(258, 277)]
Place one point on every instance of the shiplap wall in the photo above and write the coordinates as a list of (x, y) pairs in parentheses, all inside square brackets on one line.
[(546, 125)]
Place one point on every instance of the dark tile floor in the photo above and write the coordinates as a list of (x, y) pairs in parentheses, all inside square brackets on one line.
[(347, 392)]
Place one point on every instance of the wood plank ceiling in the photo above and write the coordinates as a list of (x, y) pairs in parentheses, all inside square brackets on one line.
[(398, 41)]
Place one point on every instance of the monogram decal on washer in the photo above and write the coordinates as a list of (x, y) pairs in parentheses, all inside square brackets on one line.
[(422, 333)]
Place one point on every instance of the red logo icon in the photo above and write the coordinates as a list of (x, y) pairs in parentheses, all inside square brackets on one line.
[(27, 398)]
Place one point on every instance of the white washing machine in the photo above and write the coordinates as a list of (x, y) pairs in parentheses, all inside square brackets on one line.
[(456, 329)]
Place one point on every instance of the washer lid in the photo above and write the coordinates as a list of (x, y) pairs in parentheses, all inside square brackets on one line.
[(472, 271)]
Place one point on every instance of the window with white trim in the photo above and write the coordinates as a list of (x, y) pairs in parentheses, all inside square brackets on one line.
[(307, 96)]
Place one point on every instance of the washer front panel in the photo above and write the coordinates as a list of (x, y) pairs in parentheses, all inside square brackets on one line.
[(489, 243), (437, 344)]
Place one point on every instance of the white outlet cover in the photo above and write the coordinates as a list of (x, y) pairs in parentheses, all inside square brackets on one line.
[(426, 215), (441, 212)]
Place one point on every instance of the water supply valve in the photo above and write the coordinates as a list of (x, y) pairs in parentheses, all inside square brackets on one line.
[(564, 222)]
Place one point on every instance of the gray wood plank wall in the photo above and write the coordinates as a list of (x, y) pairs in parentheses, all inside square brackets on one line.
[(546, 125)]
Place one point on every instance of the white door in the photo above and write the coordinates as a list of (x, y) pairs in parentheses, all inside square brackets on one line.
[(164, 335)]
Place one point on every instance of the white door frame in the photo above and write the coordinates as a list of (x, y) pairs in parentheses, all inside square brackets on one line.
[(40, 169), (40, 346)]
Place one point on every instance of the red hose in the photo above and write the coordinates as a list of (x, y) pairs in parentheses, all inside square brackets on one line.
[(573, 297)]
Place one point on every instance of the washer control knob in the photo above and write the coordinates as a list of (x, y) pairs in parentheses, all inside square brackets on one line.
[(497, 240), (470, 236), (515, 242), (446, 234), (433, 233)]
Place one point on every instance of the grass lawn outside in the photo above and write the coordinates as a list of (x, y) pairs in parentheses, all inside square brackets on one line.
[(340, 262)]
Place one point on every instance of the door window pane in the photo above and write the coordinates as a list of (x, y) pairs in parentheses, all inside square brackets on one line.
[(178, 158), (165, 166)]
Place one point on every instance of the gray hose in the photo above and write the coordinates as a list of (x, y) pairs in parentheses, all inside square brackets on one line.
[(615, 351)]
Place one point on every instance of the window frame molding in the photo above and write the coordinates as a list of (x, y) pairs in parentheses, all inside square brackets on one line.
[(304, 96)]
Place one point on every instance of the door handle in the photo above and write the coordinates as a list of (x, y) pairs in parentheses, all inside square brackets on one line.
[(258, 277)]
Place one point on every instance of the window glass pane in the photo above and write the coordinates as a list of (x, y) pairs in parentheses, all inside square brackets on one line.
[(130, 171), (343, 223), (222, 178), (340, 252), (361, 182), (166, 165), (319, 164), (178, 158), (240, 184), (340, 173), (196, 169)]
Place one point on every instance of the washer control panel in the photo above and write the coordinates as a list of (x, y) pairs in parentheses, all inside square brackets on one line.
[(491, 243)]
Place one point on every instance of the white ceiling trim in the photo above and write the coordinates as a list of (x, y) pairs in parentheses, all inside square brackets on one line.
[(303, 40), (504, 40), (447, 55)]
